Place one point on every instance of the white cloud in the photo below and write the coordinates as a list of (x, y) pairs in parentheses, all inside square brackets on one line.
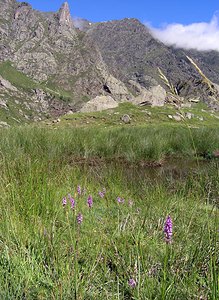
[(200, 36)]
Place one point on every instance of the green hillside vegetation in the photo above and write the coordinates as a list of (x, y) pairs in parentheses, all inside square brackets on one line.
[(18, 79), (142, 116), (132, 144), (118, 250)]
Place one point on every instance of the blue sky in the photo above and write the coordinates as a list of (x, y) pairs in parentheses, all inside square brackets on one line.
[(190, 24), (155, 12)]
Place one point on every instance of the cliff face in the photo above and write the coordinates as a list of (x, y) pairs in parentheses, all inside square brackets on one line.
[(117, 58), (131, 52), (48, 48)]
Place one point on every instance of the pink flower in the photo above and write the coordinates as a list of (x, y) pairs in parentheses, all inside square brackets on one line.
[(168, 230), (132, 283), (79, 218), (120, 200), (79, 190), (72, 201), (64, 202), (90, 201)]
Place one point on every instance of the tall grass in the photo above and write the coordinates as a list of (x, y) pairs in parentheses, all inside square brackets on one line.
[(133, 144), (45, 254)]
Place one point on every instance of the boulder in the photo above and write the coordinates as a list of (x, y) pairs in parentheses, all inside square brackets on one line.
[(99, 103), (189, 115), (3, 103), (117, 89), (177, 118), (6, 84), (186, 105), (126, 119), (154, 96), (4, 124)]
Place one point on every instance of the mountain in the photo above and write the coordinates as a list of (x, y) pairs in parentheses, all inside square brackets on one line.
[(133, 54), (50, 64)]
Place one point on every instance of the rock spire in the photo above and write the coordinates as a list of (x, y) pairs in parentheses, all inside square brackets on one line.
[(64, 15)]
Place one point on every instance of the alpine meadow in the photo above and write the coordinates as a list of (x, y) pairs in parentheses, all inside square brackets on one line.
[(109, 161)]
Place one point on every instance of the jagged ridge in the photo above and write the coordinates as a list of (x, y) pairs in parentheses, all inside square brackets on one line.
[(117, 58)]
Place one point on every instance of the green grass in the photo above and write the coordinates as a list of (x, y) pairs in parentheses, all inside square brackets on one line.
[(20, 80), (16, 111), (141, 116), (45, 254), (131, 144), (16, 78), (52, 88)]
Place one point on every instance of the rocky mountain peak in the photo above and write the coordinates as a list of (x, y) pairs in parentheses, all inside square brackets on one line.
[(8, 1), (22, 9), (64, 14), (117, 59)]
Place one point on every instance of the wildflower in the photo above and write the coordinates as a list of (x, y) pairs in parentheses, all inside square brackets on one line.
[(79, 190), (90, 201), (79, 218), (64, 202), (101, 194), (168, 226), (120, 200), (132, 283), (72, 201)]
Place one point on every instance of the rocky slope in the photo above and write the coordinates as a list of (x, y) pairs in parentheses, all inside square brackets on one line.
[(131, 53), (70, 62)]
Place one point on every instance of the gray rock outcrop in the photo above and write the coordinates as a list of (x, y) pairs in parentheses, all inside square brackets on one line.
[(99, 103), (154, 96), (6, 84), (64, 15)]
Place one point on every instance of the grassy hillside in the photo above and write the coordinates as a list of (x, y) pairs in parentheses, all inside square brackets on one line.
[(18, 79), (21, 105), (142, 116)]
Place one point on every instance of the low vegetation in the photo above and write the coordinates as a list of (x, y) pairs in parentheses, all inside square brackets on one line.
[(16, 78), (80, 218), (132, 144), (23, 82)]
